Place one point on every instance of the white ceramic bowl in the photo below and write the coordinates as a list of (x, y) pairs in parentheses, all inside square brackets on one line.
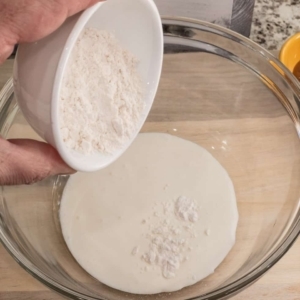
[(40, 67)]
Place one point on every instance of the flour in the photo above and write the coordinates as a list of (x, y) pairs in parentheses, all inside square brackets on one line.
[(186, 209), (167, 248), (135, 250), (101, 99)]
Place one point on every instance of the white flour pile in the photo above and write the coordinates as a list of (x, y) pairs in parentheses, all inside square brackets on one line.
[(101, 100), (186, 209), (168, 248)]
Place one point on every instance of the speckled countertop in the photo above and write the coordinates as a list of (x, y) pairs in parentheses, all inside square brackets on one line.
[(274, 21)]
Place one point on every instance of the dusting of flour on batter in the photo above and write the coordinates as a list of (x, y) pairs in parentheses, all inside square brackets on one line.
[(101, 99), (186, 209), (168, 247)]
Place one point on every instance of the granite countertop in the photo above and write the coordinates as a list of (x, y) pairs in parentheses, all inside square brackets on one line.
[(274, 21)]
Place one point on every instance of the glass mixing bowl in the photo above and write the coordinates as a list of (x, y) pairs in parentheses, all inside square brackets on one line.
[(222, 92)]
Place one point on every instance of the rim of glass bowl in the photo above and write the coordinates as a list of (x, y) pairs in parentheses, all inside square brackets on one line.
[(241, 283)]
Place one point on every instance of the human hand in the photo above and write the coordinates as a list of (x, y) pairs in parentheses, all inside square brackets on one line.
[(22, 21)]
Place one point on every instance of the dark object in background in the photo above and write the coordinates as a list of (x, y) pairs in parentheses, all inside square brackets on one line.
[(233, 14), (242, 14)]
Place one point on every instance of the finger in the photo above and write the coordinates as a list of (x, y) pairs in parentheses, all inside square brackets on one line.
[(5, 52), (29, 161), (79, 5)]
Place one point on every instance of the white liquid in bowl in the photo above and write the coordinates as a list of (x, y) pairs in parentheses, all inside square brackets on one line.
[(160, 218)]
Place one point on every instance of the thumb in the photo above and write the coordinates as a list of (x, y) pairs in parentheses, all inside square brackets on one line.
[(29, 161)]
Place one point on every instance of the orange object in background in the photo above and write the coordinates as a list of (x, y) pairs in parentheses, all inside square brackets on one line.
[(290, 54)]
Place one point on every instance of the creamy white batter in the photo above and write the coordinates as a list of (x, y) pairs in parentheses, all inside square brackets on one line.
[(160, 218)]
